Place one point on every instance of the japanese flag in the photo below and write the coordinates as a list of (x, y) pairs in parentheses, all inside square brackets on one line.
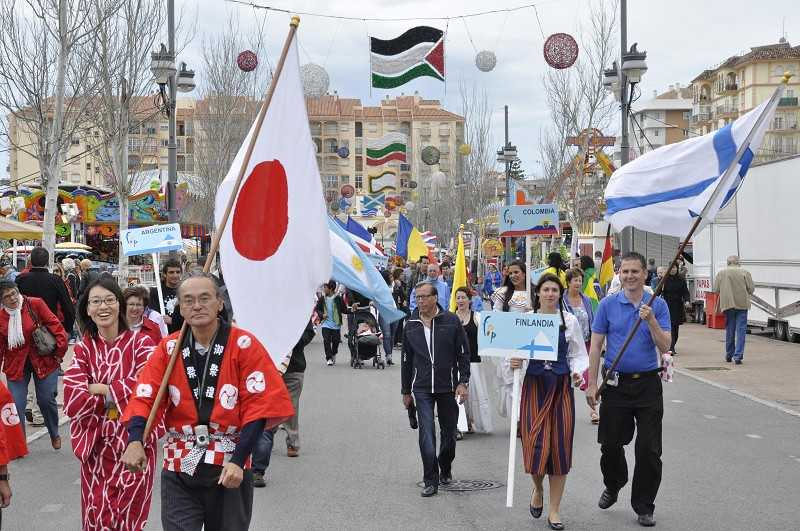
[(275, 249)]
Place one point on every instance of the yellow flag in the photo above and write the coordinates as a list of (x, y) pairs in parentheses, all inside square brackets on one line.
[(460, 272)]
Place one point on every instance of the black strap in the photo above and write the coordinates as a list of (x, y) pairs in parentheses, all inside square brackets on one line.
[(35, 318), (204, 397)]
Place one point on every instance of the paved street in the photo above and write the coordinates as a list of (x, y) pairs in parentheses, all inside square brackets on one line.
[(730, 464)]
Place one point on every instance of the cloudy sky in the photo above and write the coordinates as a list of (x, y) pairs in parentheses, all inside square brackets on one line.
[(681, 37)]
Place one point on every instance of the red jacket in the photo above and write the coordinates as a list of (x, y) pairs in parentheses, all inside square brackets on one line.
[(14, 360), (151, 330)]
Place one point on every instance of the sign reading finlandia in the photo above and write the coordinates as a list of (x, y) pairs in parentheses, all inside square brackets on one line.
[(152, 239), (519, 335), (527, 220)]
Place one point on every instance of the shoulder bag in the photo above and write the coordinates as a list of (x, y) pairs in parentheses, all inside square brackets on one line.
[(43, 339)]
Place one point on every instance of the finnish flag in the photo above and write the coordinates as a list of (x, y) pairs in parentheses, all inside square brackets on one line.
[(664, 190)]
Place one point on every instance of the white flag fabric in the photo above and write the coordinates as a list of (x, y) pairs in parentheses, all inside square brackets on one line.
[(275, 250), (664, 190)]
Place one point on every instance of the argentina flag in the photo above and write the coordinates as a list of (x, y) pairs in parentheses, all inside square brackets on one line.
[(664, 190)]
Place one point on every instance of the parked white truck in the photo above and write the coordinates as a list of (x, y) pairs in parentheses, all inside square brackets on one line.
[(762, 227)]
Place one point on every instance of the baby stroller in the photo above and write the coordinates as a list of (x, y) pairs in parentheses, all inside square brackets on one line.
[(365, 339)]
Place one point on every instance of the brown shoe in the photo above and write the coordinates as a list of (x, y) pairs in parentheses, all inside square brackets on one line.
[(292, 452), (56, 442)]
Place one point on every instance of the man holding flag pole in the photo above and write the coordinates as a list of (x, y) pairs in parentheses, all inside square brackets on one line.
[(675, 190)]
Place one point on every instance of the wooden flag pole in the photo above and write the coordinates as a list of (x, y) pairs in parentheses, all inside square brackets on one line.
[(295, 22)]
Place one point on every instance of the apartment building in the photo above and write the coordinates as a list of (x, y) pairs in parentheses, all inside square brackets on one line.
[(661, 120), (147, 147), (740, 83), (344, 122)]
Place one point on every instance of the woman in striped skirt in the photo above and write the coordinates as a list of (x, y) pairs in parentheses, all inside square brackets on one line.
[(547, 409)]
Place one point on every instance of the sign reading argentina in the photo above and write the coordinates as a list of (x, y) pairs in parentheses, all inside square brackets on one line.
[(152, 239), (527, 220), (519, 335)]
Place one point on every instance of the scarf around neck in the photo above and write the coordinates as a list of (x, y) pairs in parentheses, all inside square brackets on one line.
[(16, 338)]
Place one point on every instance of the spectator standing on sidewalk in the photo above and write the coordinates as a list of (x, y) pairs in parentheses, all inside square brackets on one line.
[(87, 276), (330, 308), (171, 273), (734, 286), (676, 295), (293, 378), (7, 271), (435, 367)]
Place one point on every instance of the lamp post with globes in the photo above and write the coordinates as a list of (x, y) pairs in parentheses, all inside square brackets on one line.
[(170, 81), (617, 80)]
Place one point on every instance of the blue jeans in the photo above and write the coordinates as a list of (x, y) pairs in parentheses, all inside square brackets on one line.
[(46, 391), (448, 419), (386, 330), (735, 332), (263, 450)]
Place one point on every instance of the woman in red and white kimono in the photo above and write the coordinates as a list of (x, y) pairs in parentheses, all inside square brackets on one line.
[(97, 387)]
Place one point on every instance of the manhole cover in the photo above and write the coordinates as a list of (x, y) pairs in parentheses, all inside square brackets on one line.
[(709, 368), (467, 485)]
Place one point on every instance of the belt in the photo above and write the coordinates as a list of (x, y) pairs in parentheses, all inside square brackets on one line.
[(197, 452), (625, 376)]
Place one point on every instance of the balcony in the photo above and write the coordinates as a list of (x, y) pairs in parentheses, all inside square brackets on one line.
[(700, 118), (729, 87), (788, 102), (726, 111)]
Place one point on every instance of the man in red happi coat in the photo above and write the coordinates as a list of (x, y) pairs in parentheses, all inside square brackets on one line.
[(223, 392)]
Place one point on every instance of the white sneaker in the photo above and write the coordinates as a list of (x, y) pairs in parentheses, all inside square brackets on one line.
[(329, 362)]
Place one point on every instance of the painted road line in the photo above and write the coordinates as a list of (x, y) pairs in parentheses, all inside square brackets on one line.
[(753, 436), (768, 403)]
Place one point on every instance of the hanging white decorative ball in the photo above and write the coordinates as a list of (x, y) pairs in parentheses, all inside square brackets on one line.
[(438, 179), (410, 205), (315, 80), (485, 61)]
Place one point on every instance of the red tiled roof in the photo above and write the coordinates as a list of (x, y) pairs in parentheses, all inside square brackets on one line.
[(781, 50)]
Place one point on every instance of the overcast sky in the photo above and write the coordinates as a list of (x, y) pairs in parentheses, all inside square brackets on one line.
[(681, 37)]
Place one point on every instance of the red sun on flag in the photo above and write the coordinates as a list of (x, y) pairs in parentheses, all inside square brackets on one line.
[(261, 216)]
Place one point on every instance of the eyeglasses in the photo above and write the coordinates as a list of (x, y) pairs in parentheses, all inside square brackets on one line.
[(202, 300), (426, 296), (108, 301)]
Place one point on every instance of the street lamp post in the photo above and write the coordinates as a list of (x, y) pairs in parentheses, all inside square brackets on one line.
[(170, 81), (507, 155), (616, 79)]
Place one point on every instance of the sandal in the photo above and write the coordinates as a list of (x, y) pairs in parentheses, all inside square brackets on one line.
[(595, 417)]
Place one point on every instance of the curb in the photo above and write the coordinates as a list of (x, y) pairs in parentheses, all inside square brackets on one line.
[(42, 432), (768, 403)]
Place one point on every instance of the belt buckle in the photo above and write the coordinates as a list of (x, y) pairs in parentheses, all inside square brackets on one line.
[(636, 376), (201, 438)]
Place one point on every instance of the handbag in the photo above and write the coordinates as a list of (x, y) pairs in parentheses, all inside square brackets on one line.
[(43, 339)]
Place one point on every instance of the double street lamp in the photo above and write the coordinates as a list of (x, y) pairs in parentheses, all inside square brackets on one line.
[(506, 155), (170, 81)]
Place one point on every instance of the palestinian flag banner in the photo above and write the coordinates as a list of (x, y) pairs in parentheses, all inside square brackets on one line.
[(417, 52), (391, 146)]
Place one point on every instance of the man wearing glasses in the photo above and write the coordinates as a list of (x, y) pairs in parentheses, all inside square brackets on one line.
[(223, 392), (435, 368)]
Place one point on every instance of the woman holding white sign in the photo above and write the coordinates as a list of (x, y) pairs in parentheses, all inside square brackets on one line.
[(547, 409)]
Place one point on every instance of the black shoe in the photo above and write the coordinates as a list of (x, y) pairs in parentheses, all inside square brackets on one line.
[(536, 512), (429, 491), (459, 435), (737, 362), (389, 362), (607, 499), (646, 520), (558, 526), (728, 359), (445, 479), (258, 480)]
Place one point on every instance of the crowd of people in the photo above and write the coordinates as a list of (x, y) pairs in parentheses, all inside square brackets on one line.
[(221, 411)]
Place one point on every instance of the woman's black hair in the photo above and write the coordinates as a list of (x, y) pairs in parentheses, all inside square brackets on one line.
[(549, 277), (587, 262), (555, 260), (509, 292), (86, 323)]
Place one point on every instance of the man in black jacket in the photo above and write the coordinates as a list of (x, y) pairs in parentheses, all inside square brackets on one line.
[(435, 367), (40, 282)]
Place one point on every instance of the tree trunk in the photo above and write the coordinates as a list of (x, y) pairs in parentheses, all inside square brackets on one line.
[(53, 169), (123, 181)]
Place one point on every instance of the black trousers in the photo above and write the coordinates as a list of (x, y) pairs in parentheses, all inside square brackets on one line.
[(675, 328), (192, 503), (632, 405), (330, 341), (447, 408)]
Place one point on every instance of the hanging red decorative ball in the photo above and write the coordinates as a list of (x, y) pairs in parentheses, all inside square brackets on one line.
[(560, 50), (247, 61)]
